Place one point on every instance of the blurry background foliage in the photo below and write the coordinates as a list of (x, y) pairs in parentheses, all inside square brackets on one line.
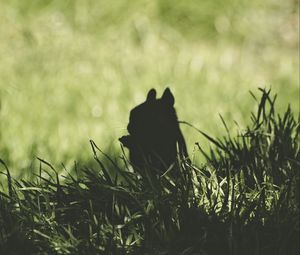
[(71, 70)]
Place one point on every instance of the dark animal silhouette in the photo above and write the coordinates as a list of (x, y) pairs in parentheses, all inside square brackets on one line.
[(155, 138)]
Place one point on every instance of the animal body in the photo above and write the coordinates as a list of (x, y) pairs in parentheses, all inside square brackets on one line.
[(155, 138)]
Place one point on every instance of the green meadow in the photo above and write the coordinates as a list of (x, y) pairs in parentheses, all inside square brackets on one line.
[(71, 70)]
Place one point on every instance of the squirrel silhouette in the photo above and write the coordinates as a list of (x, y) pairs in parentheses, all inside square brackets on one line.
[(155, 138)]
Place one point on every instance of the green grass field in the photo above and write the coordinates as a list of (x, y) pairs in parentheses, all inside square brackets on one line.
[(243, 200), (71, 71)]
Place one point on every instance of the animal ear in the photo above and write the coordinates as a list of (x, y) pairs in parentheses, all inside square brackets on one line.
[(151, 96), (168, 97)]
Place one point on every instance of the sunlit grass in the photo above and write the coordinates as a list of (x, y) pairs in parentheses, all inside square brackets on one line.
[(72, 70), (243, 200)]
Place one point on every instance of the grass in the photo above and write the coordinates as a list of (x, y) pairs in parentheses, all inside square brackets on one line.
[(70, 71), (243, 200)]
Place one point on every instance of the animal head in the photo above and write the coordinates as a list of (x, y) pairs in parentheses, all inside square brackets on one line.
[(155, 120)]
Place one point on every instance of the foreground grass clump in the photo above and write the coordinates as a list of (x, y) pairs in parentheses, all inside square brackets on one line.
[(244, 200)]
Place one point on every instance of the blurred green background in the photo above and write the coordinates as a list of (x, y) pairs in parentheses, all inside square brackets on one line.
[(71, 70)]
